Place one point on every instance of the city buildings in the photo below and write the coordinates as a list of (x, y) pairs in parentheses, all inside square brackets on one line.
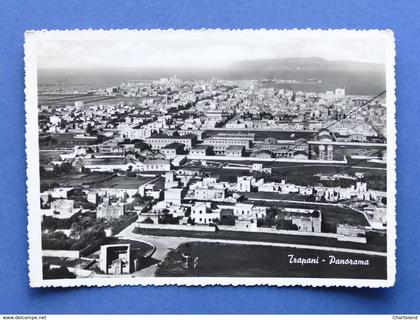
[(110, 210), (61, 209)]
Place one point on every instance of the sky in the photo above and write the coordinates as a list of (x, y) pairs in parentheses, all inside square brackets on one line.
[(201, 48)]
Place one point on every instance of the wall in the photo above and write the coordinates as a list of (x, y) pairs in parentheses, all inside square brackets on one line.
[(232, 228)]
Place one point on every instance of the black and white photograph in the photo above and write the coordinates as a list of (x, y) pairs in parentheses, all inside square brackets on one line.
[(203, 157)]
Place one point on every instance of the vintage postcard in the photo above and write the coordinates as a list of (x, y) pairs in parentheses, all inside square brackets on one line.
[(211, 157)]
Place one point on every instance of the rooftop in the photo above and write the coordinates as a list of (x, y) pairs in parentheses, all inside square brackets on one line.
[(173, 145), (226, 212), (305, 213), (202, 147)]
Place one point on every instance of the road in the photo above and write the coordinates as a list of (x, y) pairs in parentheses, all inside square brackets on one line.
[(164, 245)]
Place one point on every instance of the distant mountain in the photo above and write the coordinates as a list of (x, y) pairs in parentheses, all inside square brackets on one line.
[(311, 64)]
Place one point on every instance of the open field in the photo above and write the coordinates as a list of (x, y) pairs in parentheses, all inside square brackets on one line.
[(65, 262), (218, 260), (46, 156), (141, 249), (276, 163), (304, 174), (376, 241)]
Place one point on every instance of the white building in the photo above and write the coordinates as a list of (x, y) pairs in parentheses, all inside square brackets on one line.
[(351, 233), (305, 219), (155, 165)]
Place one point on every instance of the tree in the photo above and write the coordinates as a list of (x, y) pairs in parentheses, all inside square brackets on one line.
[(137, 196), (75, 230), (90, 130), (129, 206), (88, 206), (65, 168)]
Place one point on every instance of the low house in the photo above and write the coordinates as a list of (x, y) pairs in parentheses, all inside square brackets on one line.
[(235, 151), (204, 213), (248, 183), (92, 197), (162, 207), (160, 140), (174, 195), (110, 210), (147, 217)]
